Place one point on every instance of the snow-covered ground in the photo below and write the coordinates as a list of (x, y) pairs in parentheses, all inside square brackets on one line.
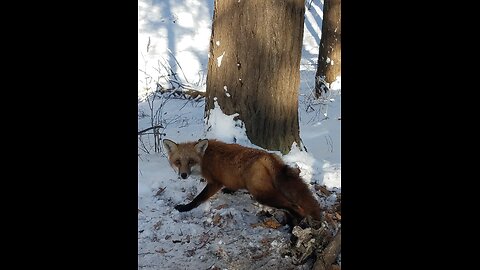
[(222, 233)]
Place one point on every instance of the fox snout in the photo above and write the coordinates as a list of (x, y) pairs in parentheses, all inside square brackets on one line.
[(184, 171)]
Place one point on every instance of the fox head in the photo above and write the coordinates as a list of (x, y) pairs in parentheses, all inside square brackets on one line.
[(185, 158)]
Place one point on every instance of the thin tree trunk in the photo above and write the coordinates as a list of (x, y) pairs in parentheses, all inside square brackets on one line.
[(329, 57)]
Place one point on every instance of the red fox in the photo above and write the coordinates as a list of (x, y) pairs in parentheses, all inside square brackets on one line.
[(266, 177)]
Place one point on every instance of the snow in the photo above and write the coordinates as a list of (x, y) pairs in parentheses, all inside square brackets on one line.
[(336, 85), (219, 59), (218, 233), (224, 127), (305, 161), (184, 28), (226, 91)]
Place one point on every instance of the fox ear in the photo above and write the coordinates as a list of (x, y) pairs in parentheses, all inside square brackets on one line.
[(201, 146), (169, 145)]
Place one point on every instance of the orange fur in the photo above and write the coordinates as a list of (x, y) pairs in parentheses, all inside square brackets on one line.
[(268, 179)]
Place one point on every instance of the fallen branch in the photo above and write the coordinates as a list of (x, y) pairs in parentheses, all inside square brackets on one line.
[(327, 257), (194, 93), (187, 92)]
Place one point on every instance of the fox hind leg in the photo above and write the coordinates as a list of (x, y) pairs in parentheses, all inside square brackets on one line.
[(278, 200)]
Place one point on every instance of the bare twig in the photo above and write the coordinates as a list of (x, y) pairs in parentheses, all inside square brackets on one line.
[(143, 146), (147, 129), (153, 133), (145, 253), (233, 241), (174, 58), (168, 84)]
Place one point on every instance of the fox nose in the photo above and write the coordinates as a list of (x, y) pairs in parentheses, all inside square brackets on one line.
[(184, 175)]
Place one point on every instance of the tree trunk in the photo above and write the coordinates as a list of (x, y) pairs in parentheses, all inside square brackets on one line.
[(327, 257), (329, 57), (253, 68)]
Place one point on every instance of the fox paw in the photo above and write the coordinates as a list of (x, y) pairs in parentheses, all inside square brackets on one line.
[(228, 191), (182, 207)]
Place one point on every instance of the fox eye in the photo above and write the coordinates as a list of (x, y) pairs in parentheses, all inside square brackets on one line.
[(191, 162), (177, 162)]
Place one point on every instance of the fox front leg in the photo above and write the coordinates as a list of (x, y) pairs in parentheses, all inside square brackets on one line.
[(206, 193)]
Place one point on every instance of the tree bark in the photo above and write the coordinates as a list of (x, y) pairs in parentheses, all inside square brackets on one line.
[(329, 57), (253, 68), (329, 254)]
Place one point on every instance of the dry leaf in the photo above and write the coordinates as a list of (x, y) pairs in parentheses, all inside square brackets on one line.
[(160, 191), (157, 225), (269, 223), (204, 237), (272, 223), (221, 206), (217, 219), (190, 252), (266, 241), (203, 240)]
